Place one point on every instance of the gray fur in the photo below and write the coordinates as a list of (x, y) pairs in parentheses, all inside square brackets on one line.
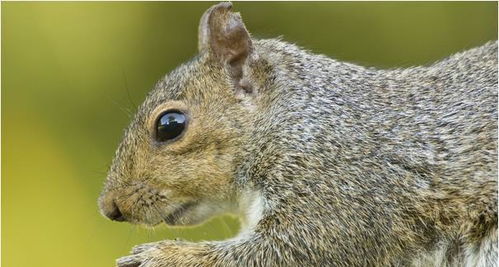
[(355, 166)]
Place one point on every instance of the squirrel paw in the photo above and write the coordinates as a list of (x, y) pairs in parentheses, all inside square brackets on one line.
[(143, 259), (155, 254), (145, 255)]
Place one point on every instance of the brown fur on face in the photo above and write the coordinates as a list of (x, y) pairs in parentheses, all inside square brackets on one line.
[(150, 182)]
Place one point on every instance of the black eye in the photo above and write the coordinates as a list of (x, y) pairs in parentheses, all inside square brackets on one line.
[(169, 125)]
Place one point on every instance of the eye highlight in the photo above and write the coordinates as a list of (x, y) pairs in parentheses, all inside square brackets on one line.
[(169, 125)]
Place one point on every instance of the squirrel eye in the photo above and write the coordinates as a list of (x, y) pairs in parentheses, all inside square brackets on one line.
[(169, 125)]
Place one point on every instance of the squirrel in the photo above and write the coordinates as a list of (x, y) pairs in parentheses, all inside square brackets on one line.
[(327, 163)]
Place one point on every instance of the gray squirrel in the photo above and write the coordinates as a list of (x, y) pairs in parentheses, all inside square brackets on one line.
[(327, 163)]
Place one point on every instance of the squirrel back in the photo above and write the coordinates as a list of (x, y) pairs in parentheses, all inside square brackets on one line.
[(326, 162), (409, 155)]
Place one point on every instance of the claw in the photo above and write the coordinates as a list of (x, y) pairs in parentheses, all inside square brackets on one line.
[(128, 261), (141, 248)]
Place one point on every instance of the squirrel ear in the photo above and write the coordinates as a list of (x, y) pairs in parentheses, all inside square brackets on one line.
[(223, 34)]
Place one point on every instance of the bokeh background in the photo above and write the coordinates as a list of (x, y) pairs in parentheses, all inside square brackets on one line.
[(72, 73)]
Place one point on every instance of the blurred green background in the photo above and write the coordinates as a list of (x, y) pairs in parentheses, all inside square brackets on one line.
[(73, 72)]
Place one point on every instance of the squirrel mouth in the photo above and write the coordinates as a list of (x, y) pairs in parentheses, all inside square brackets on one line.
[(172, 218)]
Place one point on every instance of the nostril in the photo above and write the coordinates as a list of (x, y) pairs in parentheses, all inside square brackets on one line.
[(115, 213)]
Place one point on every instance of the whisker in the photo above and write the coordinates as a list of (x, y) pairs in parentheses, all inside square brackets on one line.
[(128, 90), (129, 113), (228, 231), (161, 215)]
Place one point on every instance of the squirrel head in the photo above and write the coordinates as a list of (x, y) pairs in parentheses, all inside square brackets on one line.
[(178, 160)]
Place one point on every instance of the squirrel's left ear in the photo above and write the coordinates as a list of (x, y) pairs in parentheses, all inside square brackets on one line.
[(222, 34)]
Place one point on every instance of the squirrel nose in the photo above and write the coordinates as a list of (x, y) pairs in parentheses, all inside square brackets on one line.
[(114, 213), (110, 209)]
